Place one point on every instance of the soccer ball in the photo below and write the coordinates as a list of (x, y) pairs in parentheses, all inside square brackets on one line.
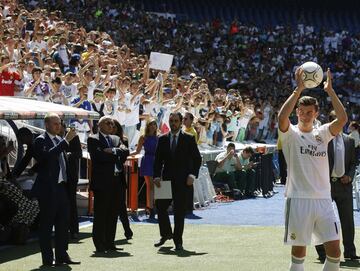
[(312, 74)]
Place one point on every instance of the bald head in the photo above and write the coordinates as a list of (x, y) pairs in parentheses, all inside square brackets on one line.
[(52, 123)]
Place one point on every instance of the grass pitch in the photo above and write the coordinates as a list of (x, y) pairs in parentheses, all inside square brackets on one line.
[(206, 248)]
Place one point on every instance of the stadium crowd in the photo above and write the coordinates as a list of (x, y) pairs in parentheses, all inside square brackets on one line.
[(231, 77), (228, 79)]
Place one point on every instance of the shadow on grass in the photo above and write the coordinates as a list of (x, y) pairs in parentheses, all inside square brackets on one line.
[(184, 253), (111, 254), (17, 252), (122, 242), (350, 264), (49, 268), (81, 236)]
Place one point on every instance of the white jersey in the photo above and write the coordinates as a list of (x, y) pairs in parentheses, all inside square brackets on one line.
[(307, 161)]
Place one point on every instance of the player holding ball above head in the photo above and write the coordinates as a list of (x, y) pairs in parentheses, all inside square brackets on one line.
[(309, 210)]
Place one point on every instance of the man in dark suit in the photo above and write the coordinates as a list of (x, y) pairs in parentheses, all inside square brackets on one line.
[(74, 153), (107, 156), (177, 159), (342, 164), (50, 189)]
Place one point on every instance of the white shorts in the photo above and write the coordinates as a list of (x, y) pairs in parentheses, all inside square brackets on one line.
[(310, 221)]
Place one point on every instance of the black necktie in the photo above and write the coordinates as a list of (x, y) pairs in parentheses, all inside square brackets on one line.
[(173, 144), (61, 162)]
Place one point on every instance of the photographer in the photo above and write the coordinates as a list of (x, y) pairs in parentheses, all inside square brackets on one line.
[(247, 175), (228, 167)]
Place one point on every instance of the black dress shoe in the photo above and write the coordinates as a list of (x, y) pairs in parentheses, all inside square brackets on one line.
[(179, 248), (128, 234), (66, 261), (114, 248), (162, 241), (48, 264), (352, 257)]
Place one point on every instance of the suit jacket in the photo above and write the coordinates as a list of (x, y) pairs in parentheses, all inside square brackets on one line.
[(47, 156), (102, 163), (338, 188), (74, 153), (177, 167)]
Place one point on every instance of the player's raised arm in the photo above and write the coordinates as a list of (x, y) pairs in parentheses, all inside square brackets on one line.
[(337, 124), (290, 103)]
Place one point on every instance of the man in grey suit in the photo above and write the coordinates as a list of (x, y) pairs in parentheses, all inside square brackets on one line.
[(342, 164)]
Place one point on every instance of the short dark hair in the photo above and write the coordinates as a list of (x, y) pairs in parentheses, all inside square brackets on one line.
[(307, 101), (57, 80), (36, 69), (231, 145), (177, 114), (191, 116), (249, 149)]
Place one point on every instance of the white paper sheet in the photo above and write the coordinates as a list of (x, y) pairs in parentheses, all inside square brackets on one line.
[(159, 61), (164, 191)]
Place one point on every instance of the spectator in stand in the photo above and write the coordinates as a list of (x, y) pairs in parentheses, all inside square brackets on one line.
[(98, 106), (57, 96), (37, 87), (9, 77), (133, 100), (68, 86), (188, 125)]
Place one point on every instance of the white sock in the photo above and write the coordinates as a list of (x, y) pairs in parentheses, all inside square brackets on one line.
[(297, 264), (331, 264)]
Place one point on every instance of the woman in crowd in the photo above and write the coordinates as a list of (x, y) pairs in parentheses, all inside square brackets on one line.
[(149, 142)]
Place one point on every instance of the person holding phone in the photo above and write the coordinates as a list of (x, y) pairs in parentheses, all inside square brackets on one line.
[(50, 188)]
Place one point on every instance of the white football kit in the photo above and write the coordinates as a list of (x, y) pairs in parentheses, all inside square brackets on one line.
[(309, 210)]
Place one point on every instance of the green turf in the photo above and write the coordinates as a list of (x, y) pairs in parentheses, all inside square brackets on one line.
[(207, 248)]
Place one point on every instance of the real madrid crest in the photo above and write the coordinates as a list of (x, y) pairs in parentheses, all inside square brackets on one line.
[(318, 139)]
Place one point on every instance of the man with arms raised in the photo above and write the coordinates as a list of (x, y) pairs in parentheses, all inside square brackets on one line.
[(309, 208)]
